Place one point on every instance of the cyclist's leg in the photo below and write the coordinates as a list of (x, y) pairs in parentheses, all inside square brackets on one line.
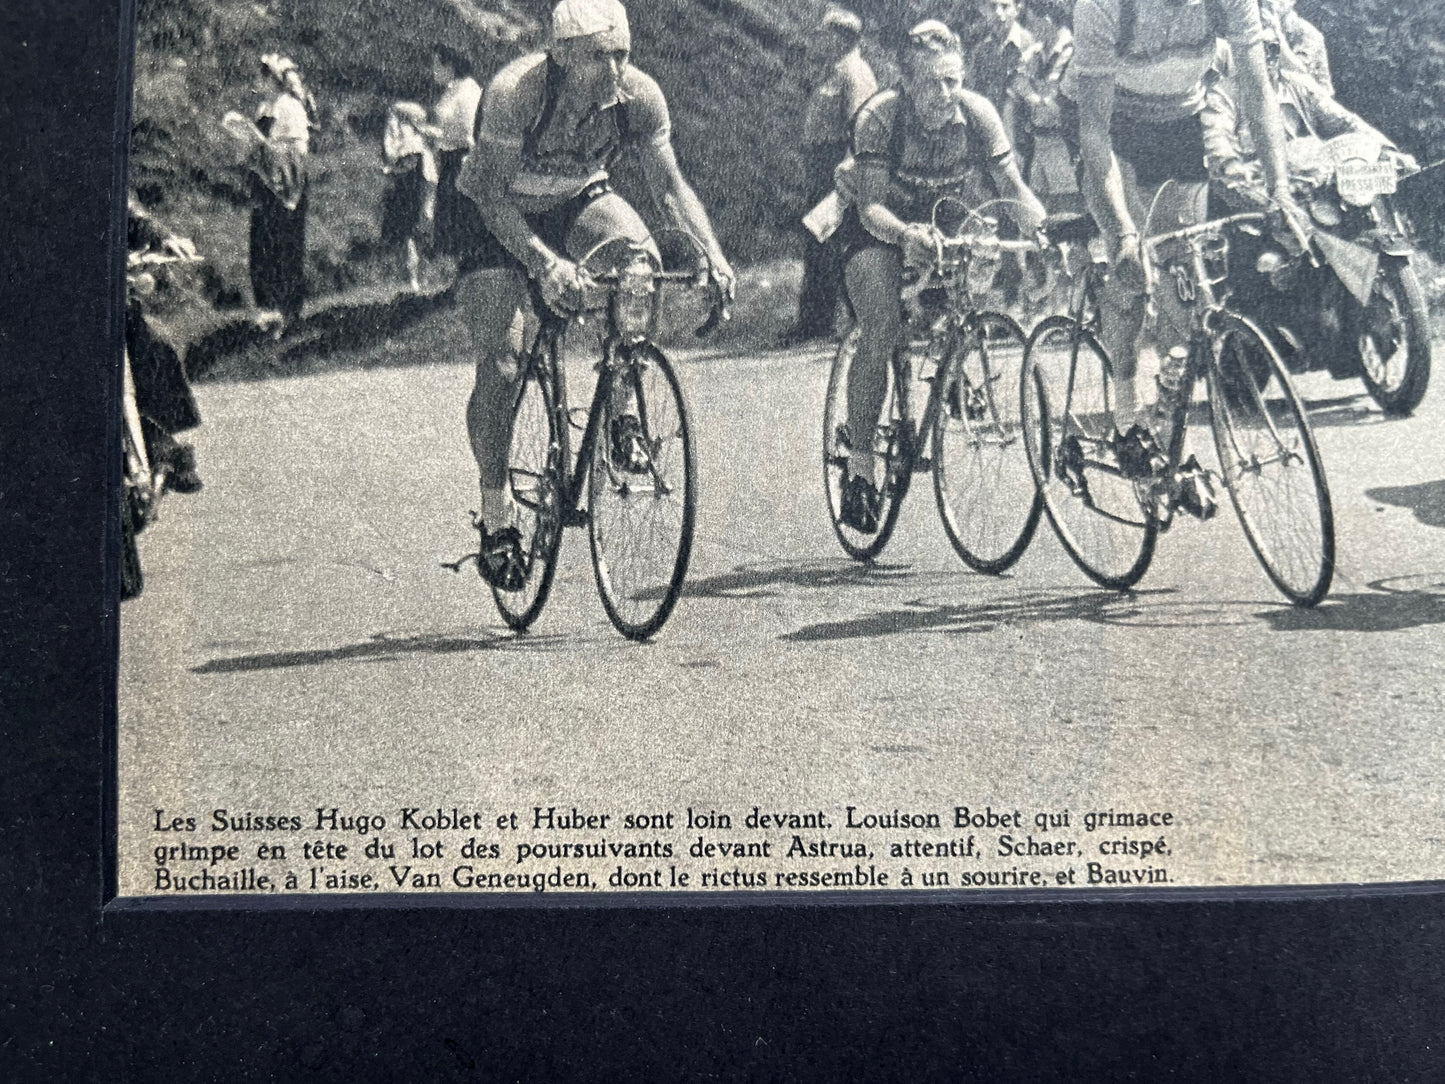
[(604, 219), (874, 278), (491, 301), (1122, 306)]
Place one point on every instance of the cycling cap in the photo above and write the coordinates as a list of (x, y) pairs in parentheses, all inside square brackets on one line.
[(836, 18), (583, 18), (932, 36)]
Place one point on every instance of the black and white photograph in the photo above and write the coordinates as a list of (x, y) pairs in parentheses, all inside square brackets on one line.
[(750, 449)]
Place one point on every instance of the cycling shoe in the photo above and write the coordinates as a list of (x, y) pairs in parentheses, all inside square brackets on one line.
[(629, 445), (500, 559), (860, 504)]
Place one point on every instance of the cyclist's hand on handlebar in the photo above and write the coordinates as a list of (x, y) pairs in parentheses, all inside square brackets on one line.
[(561, 286), (919, 244)]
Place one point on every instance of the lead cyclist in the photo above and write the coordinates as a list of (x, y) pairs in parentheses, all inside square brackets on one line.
[(552, 125)]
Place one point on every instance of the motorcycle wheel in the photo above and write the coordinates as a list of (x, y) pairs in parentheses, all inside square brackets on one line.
[(1392, 340)]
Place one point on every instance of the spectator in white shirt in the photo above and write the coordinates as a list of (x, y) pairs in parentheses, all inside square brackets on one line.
[(454, 118)]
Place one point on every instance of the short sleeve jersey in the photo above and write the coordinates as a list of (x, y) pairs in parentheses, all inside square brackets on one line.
[(926, 165), (565, 148), (1157, 51)]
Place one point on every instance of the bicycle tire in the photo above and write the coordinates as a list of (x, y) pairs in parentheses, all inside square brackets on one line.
[(1399, 302), (536, 463), (641, 527), (987, 498), (1260, 424), (1095, 512), (891, 443)]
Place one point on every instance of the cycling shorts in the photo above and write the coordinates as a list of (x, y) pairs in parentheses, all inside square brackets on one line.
[(482, 251)]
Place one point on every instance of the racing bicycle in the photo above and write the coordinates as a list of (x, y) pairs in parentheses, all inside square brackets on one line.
[(968, 435), (632, 479), (1108, 501)]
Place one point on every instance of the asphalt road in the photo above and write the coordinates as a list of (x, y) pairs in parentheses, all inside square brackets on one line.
[(298, 645)]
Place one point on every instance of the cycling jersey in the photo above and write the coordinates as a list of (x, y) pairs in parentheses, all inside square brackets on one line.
[(1157, 51), (925, 165), (564, 150)]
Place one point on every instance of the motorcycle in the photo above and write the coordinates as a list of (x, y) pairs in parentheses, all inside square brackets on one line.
[(1350, 301)]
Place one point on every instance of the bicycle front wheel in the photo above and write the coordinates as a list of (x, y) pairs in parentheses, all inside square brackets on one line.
[(1270, 463), (642, 493), (888, 445), (535, 467), (986, 494), (1067, 397)]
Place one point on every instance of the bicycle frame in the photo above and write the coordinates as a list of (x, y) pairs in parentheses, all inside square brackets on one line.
[(618, 353), (545, 356), (964, 318)]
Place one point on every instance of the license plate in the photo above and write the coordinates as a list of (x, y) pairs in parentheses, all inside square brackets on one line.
[(1360, 182)]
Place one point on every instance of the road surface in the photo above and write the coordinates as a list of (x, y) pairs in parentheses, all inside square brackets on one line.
[(299, 646)]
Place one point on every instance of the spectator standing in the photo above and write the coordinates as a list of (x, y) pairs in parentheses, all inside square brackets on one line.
[(847, 83), (1302, 46), (1047, 162), (454, 120), (1002, 61), (163, 395), (409, 206), (279, 193)]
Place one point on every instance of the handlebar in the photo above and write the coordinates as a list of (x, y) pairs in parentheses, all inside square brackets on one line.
[(1187, 233), (699, 276)]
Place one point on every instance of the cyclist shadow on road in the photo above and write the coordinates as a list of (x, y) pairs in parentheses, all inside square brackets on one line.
[(380, 647), (1425, 499), (765, 580), (1386, 606), (1391, 605)]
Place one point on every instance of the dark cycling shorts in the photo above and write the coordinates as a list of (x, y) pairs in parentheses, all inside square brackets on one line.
[(484, 252), (1168, 150)]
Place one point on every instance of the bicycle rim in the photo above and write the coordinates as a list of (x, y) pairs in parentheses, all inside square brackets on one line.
[(534, 475), (1271, 464), (986, 494), (641, 520), (888, 443), (1066, 392)]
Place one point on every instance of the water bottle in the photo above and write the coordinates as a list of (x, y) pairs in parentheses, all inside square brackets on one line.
[(1173, 381)]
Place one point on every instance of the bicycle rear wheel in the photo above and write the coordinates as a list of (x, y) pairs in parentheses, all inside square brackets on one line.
[(1067, 397), (535, 468), (1270, 463), (986, 494), (642, 493), (889, 444)]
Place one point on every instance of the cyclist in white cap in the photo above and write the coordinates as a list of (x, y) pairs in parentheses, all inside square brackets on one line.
[(552, 125)]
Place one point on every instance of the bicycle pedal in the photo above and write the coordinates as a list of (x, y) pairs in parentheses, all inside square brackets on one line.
[(1069, 466), (1194, 490)]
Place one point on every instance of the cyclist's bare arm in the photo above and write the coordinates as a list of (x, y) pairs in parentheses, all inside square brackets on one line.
[(1103, 179), (1023, 206), (671, 190), (870, 188), (490, 170), (1261, 108)]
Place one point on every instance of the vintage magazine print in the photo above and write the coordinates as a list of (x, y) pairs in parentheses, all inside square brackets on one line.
[(756, 447)]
